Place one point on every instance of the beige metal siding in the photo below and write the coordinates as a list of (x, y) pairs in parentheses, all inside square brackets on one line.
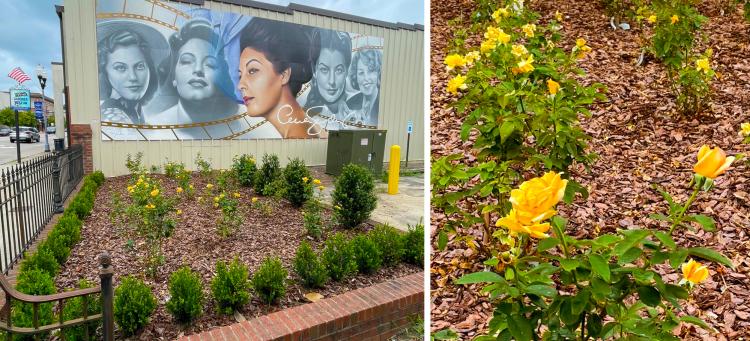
[(401, 86)]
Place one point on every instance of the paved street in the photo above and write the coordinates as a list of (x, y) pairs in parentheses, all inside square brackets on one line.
[(8, 150)]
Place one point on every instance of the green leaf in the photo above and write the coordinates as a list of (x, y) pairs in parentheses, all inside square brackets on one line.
[(571, 189), (569, 264), (520, 327), (547, 243), (704, 221), (506, 130), (649, 295), (600, 266), (709, 254), (445, 334), (632, 238), (632, 254), (696, 321), (442, 240), (480, 277), (676, 291), (607, 239), (658, 216), (677, 257), (541, 290), (666, 240)]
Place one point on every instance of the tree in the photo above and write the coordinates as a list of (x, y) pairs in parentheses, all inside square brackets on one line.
[(25, 118)]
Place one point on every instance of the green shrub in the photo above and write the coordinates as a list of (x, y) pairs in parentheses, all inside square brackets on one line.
[(186, 295), (390, 242), (308, 266), (204, 167), (312, 220), (83, 203), (274, 189), (173, 169), (55, 244), (354, 195), (297, 182), (134, 303), (269, 172), (70, 229), (98, 177), (244, 169), (74, 309), (338, 257), (42, 259), (413, 242), (367, 254), (230, 287), (269, 282), (33, 282)]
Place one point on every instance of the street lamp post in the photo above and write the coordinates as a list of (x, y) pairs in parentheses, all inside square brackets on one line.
[(41, 74)]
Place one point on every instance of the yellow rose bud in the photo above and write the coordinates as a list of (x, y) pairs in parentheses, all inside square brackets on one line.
[(674, 19), (304, 179), (236, 195), (254, 200), (694, 272), (154, 192), (216, 204), (712, 162), (316, 181), (553, 87), (652, 19), (191, 186), (209, 186), (216, 199), (179, 212), (558, 16), (179, 189)]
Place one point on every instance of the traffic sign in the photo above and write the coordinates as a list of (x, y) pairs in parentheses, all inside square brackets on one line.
[(38, 110), (20, 99), (409, 127)]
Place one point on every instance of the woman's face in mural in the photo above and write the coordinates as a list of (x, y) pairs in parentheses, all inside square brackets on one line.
[(127, 72), (368, 78), (196, 70), (259, 83), (330, 74)]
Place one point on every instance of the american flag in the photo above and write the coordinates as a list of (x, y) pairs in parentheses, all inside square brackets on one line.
[(18, 75)]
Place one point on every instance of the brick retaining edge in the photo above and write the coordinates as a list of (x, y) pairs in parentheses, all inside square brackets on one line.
[(373, 313)]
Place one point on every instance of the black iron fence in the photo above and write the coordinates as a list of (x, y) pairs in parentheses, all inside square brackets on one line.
[(30, 193)]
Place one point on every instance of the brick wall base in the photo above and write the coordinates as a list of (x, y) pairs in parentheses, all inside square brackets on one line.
[(81, 134), (373, 313)]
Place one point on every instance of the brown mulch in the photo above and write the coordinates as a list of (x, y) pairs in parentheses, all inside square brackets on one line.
[(640, 141), (196, 242)]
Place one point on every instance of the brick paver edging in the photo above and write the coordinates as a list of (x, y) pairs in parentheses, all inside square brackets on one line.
[(373, 313)]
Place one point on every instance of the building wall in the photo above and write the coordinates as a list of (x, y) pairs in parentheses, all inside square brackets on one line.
[(402, 98)]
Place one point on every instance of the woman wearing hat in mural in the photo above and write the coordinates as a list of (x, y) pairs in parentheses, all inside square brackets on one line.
[(195, 79), (365, 77), (127, 55), (276, 59), (327, 96)]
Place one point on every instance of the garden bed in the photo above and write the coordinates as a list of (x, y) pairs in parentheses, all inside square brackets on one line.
[(195, 242)]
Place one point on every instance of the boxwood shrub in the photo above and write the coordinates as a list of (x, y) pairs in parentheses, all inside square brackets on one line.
[(186, 295), (338, 257), (297, 182), (74, 309), (230, 287), (390, 242), (269, 281), (134, 303), (309, 267), (354, 195), (366, 252), (33, 282)]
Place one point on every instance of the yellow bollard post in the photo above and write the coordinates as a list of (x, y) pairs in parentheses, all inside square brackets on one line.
[(393, 169)]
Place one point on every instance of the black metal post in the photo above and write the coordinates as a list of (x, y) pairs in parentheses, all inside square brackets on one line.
[(408, 139), (108, 313), (57, 184), (18, 141)]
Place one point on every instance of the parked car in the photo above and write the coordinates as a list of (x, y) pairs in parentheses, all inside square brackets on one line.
[(51, 130), (4, 131), (27, 134)]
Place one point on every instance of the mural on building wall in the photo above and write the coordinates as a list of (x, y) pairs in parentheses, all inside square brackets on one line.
[(171, 72)]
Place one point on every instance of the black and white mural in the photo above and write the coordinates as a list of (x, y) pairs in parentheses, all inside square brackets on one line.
[(170, 72)]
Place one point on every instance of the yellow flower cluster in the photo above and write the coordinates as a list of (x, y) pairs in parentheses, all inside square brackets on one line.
[(529, 30), (581, 48), (745, 129), (524, 66), (456, 83), (452, 61), (236, 195), (533, 203), (155, 192), (652, 19), (712, 162), (500, 13), (703, 65)]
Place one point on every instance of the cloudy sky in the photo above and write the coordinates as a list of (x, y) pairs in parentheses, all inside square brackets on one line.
[(31, 30)]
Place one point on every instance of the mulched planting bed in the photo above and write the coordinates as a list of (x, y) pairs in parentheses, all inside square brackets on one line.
[(639, 141), (196, 243)]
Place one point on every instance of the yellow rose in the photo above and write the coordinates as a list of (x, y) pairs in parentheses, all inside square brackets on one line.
[(216, 199), (321, 187), (512, 223), (535, 199), (209, 186), (652, 19), (304, 179), (179, 212), (179, 189), (712, 162), (456, 83), (150, 206), (580, 42), (154, 192), (254, 200), (236, 195), (518, 50), (452, 61), (674, 19), (316, 181), (529, 29), (487, 46), (703, 64), (694, 272), (553, 87), (524, 66), (558, 16), (216, 204), (745, 129)]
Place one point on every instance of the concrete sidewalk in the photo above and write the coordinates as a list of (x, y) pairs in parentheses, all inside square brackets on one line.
[(401, 210)]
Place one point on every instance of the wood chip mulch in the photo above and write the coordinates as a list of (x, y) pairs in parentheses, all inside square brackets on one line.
[(639, 142), (196, 242)]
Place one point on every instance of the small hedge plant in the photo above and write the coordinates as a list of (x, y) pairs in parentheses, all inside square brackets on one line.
[(269, 282), (74, 309), (354, 196), (230, 287), (186, 295), (133, 304), (308, 266), (244, 169), (390, 242), (32, 282), (268, 178), (338, 257), (367, 254), (297, 183), (43, 260), (414, 245)]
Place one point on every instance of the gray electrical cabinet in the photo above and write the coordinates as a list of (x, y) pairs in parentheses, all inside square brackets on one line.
[(362, 147)]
